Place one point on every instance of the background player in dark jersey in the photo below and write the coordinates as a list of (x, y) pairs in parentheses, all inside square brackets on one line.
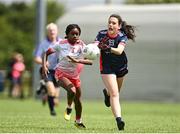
[(113, 61)]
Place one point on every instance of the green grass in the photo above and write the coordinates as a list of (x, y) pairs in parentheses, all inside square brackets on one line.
[(29, 116)]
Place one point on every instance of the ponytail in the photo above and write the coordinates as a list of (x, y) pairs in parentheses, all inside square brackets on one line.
[(129, 30)]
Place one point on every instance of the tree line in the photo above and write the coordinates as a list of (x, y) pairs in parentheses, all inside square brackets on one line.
[(17, 29)]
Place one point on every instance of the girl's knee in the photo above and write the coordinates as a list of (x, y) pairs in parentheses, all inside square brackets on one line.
[(71, 89), (56, 101), (52, 93), (114, 94)]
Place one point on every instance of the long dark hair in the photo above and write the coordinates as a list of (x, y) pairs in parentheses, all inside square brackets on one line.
[(129, 30)]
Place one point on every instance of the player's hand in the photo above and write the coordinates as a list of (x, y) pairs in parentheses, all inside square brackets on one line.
[(45, 71), (47, 64), (103, 44)]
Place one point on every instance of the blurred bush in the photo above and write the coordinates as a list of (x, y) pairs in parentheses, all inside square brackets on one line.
[(17, 26)]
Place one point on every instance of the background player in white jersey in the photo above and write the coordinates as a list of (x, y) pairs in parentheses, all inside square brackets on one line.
[(51, 39), (68, 69)]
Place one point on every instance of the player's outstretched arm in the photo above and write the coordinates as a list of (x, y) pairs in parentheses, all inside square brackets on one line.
[(81, 61)]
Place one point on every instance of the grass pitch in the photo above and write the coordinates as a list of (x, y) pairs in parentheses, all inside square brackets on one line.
[(30, 116)]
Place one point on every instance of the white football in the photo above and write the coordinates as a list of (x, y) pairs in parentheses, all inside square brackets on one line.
[(91, 51)]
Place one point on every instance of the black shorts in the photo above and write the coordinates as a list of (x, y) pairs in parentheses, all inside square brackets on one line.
[(118, 71), (51, 77)]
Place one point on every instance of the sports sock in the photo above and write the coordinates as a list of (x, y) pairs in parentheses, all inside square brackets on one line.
[(69, 110), (51, 102), (70, 106), (118, 119), (78, 120)]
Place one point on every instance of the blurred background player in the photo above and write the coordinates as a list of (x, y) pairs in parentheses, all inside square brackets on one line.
[(69, 67), (9, 73), (50, 82), (42, 89), (17, 71), (113, 61)]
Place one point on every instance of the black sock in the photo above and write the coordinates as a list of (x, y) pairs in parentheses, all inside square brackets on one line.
[(118, 119), (51, 102), (69, 110)]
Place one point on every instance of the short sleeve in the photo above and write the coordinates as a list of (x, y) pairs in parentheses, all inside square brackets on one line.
[(98, 37), (124, 39)]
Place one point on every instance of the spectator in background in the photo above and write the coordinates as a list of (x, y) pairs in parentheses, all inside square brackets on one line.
[(17, 71), (9, 73), (1, 80)]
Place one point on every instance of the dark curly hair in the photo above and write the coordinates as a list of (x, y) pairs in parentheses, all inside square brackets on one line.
[(70, 27)]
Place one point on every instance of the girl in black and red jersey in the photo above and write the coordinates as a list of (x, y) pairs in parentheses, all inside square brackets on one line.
[(113, 61)]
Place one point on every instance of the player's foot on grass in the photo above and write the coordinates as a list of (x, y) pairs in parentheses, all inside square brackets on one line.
[(79, 125), (53, 113), (106, 98), (120, 123), (67, 114)]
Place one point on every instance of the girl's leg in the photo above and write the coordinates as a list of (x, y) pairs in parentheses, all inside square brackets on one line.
[(15, 91), (78, 108), (71, 91), (120, 82), (69, 87), (51, 95), (111, 85), (67, 113), (78, 104), (56, 99)]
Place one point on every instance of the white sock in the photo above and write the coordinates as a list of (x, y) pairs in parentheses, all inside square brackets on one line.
[(79, 121), (70, 106)]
